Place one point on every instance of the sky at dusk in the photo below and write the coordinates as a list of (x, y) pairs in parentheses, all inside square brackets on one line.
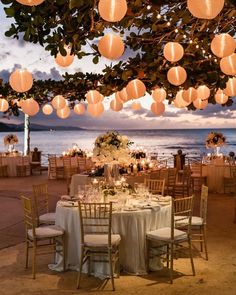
[(15, 53)]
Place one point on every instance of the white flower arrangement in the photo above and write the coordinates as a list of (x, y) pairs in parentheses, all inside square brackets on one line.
[(112, 148), (74, 151), (10, 139)]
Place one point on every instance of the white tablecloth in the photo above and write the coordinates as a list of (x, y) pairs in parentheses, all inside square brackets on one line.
[(11, 162), (132, 226)]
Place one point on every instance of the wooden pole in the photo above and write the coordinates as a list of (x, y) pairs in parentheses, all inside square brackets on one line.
[(27, 135)]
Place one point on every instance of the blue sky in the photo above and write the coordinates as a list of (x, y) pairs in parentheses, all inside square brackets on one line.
[(41, 64)]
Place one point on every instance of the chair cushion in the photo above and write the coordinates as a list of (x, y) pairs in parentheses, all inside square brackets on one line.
[(164, 234), (196, 220), (48, 218), (49, 231), (101, 240)]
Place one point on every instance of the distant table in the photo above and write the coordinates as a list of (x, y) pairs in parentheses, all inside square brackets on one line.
[(11, 162)]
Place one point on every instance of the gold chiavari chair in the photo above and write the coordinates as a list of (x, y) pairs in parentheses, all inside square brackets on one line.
[(41, 204), (229, 181), (69, 172), (198, 179), (23, 166), (183, 187), (168, 239), (81, 164), (171, 181), (3, 168), (96, 237), (38, 238), (155, 186), (55, 171)]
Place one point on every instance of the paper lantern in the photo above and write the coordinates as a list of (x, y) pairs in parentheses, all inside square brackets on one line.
[(230, 89), (173, 51), (206, 9), (58, 102), (159, 94), (4, 105), (122, 95), (111, 46), (79, 109), (116, 105), (200, 104), (63, 113), (30, 2), (19, 103), (177, 75), (135, 89), (190, 95), (136, 106), (96, 109), (179, 102), (220, 97), (21, 80), (203, 92), (112, 10), (158, 108), (93, 96), (30, 107), (47, 109), (223, 45), (228, 64), (65, 61)]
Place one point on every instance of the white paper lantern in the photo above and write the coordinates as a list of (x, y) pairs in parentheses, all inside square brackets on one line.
[(47, 109), (158, 108), (205, 9), (111, 46), (173, 51), (112, 10), (230, 89), (200, 104), (79, 109), (63, 113), (136, 89), (228, 65), (116, 105), (159, 94), (30, 107), (177, 75), (223, 45), (203, 92), (220, 97), (30, 2), (96, 109), (65, 61), (58, 102), (21, 80), (4, 105), (190, 95)]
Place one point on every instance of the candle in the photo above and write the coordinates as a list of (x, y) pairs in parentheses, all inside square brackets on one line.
[(122, 179), (150, 165), (135, 168), (95, 181)]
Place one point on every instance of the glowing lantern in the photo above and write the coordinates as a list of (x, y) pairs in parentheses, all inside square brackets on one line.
[(159, 94), (177, 75), (112, 10), (173, 51), (203, 92), (58, 102), (47, 109), (190, 94), (230, 89), (116, 105), (63, 113), (223, 45), (136, 106), (220, 97), (30, 107), (21, 80), (179, 102), (30, 2), (158, 108), (206, 9), (122, 95), (135, 89), (228, 64), (79, 109), (111, 46), (65, 61), (93, 96), (200, 104), (96, 109), (4, 105)]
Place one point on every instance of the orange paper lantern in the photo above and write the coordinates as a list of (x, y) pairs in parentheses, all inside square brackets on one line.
[(93, 96), (111, 46), (159, 94), (96, 109), (116, 105), (4, 105), (228, 64), (21, 80), (65, 61), (200, 104), (203, 92), (230, 89), (63, 113), (206, 9), (179, 102), (136, 106), (158, 108), (79, 109), (58, 102), (190, 95), (177, 75), (136, 89), (47, 109), (30, 2), (112, 10), (30, 107), (220, 97), (223, 45), (122, 95), (173, 51)]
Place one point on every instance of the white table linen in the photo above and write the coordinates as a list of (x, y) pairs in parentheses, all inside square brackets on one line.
[(11, 162)]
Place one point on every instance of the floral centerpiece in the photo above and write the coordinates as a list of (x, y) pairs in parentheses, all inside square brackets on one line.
[(10, 140), (112, 148), (215, 139), (117, 188), (74, 151)]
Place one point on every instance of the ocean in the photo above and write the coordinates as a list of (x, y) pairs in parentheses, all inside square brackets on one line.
[(164, 142)]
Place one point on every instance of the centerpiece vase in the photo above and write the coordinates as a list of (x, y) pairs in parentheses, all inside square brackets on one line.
[(111, 172), (217, 151), (10, 148)]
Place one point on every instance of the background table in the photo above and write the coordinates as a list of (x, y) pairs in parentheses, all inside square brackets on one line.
[(11, 162)]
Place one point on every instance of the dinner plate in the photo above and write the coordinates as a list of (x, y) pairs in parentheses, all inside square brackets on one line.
[(130, 209)]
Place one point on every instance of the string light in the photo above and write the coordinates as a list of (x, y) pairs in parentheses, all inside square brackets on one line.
[(197, 46), (184, 36), (158, 16), (168, 24), (149, 7), (190, 41), (176, 30)]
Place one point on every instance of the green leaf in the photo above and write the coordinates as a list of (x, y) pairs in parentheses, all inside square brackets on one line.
[(96, 59), (10, 11)]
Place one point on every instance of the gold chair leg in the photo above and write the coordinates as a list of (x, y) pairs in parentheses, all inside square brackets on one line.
[(80, 267), (34, 259), (111, 269), (26, 254), (191, 256), (118, 262), (171, 262), (201, 239), (205, 241)]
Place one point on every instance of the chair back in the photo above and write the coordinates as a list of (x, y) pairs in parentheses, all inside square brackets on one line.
[(66, 162), (29, 215), (203, 203), (186, 175), (95, 218), (195, 167), (81, 164), (36, 156), (171, 176), (162, 163), (40, 196), (232, 170), (155, 186)]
